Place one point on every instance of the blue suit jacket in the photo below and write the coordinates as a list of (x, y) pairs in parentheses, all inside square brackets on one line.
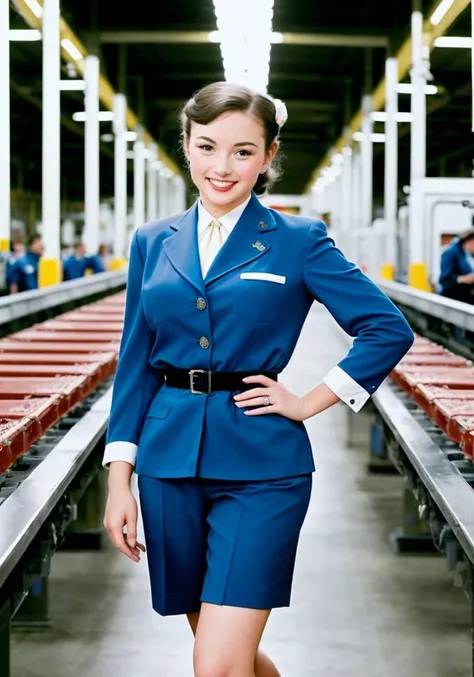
[(453, 264), (251, 325)]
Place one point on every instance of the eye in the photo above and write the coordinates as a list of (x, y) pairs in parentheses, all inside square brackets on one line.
[(205, 147), (246, 153)]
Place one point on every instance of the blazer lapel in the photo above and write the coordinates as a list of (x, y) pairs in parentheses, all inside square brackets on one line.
[(182, 249), (246, 241)]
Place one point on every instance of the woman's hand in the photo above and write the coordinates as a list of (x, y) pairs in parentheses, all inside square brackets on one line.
[(121, 510), (281, 400)]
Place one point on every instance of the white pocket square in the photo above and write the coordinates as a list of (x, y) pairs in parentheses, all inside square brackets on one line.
[(269, 277)]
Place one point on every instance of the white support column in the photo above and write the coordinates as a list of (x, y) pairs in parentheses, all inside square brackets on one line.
[(346, 207), (50, 268), (417, 275), (356, 204), (162, 193), (367, 161), (138, 181), (391, 168), (120, 180), (91, 175), (5, 207), (151, 210)]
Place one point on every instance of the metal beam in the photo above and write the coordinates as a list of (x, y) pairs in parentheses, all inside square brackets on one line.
[(404, 64), (202, 37)]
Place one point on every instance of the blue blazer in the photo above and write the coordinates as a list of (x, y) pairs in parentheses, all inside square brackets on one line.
[(453, 263), (250, 324)]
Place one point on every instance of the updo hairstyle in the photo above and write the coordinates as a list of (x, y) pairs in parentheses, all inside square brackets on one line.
[(222, 97)]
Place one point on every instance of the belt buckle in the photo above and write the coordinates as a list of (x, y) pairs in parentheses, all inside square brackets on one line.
[(191, 381)]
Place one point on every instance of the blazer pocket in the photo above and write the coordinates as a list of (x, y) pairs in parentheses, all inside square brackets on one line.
[(267, 277), (158, 410)]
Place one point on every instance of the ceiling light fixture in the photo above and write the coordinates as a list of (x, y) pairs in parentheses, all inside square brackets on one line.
[(71, 49), (104, 116), (72, 85), (406, 88), (441, 11), (24, 35), (245, 46), (453, 41), (381, 116), (35, 7)]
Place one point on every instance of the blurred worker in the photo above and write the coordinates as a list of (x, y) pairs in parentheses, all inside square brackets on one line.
[(17, 250), (456, 280), (24, 273), (76, 265), (104, 256)]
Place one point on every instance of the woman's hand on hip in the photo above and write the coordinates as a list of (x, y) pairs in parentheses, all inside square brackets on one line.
[(271, 397), (122, 511)]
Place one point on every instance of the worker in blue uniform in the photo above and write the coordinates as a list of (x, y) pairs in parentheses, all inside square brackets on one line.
[(17, 250), (456, 279), (216, 300), (23, 275), (76, 265)]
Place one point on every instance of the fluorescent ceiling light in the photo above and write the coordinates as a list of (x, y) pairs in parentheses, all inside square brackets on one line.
[(407, 88), (376, 138), (274, 37), (440, 11), (35, 7), (24, 35), (131, 136), (72, 50), (447, 41), (107, 137), (104, 116), (72, 85), (381, 116), (245, 45)]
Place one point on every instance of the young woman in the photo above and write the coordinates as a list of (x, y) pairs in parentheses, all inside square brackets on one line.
[(216, 300)]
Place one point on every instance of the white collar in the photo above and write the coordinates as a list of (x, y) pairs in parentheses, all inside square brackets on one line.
[(229, 220)]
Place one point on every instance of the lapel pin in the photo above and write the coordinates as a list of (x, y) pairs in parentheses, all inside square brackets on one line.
[(258, 245), (262, 224)]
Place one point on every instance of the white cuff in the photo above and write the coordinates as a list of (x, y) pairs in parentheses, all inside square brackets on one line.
[(119, 451), (348, 390)]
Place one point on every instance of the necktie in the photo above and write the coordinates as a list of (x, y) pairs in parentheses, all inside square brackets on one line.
[(210, 242)]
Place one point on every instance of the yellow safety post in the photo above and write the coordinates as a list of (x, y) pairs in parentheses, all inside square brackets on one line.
[(418, 276), (118, 263), (387, 271), (49, 272), (4, 245)]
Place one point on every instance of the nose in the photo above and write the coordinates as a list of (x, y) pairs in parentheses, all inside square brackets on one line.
[(222, 166)]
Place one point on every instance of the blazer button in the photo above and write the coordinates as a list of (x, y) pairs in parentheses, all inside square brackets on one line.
[(204, 342), (201, 304)]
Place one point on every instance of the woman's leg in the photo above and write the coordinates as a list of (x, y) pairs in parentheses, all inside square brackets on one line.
[(264, 667), (227, 640)]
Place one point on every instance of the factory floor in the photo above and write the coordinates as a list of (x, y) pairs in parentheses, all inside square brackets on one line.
[(358, 609)]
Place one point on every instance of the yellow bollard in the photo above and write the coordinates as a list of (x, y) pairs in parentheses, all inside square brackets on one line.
[(118, 263), (387, 271), (418, 276), (4, 245), (50, 272)]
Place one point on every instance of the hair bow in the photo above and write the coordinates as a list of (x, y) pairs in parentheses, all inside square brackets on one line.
[(281, 114)]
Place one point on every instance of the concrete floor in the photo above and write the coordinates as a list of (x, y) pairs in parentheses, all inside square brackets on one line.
[(357, 609)]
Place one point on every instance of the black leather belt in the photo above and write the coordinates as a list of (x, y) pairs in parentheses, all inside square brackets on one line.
[(202, 382)]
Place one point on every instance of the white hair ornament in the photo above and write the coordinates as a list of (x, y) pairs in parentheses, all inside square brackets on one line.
[(281, 114)]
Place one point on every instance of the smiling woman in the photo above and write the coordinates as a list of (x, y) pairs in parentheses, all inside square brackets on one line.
[(216, 300)]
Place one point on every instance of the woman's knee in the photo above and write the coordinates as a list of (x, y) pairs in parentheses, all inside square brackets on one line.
[(208, 666)]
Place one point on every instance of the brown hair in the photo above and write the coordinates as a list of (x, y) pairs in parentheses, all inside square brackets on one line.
[(221, 97)]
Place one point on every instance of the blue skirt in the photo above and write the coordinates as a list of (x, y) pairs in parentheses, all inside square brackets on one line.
[(223, 542)]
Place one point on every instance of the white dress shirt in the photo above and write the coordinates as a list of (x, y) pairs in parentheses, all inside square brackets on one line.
[(341, 384)]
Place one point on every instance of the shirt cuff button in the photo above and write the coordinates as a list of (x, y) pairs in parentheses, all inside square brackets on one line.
[(352, 401)]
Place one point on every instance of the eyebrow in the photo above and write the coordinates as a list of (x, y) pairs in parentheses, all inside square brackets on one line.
[(242, 143)]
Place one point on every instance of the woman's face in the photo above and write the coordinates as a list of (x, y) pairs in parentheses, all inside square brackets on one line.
[(225, 158)]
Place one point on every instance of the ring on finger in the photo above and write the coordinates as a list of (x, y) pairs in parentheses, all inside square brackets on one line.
[(266, 401)]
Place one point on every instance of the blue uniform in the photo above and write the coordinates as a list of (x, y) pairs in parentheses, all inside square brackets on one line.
[(246, 315), (74, 267), (24, 272), (455, 261)]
